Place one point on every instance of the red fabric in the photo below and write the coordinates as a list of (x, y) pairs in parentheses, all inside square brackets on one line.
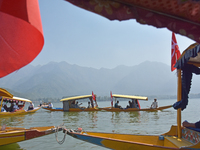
[(138, 104), (175, 53), (178, 16), (93, 96), (21, 35)]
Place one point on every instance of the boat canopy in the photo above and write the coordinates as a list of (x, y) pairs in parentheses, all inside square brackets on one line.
[(130, 97), (16, 99), (5, 93), (76, 98), (189, 63)]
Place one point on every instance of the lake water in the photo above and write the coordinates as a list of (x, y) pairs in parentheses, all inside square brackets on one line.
[(117, 122)]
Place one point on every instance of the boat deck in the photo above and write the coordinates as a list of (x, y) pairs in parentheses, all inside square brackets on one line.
[(178, 142)]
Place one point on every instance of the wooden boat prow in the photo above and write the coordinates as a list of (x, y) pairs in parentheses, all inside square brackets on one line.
[(10, 135)]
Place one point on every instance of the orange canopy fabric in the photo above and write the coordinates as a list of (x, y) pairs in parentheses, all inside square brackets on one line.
[(21, 35), (179, 16)]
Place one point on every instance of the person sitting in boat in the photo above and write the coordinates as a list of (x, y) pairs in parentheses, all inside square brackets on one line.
[(73, 105), (154, 105), (31, 106), (130, 105), (3, 109), (15, 107), (11, 107), (192, 125), (89, 105), (50, 105), (78, 105), (117, 105)]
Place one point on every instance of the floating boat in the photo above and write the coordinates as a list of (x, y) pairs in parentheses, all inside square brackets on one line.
[(135, 106), (10, 135), (177, 138), (7, 97), (70, 104)]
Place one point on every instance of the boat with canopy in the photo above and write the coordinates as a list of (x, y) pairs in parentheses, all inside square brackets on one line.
[(177, 137), (8, 102), (134, 104), (71, 104)]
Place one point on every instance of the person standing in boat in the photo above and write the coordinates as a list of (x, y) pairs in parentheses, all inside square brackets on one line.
[(31, 106), (154, 105)]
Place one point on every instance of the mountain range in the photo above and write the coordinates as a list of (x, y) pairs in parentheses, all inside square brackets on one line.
[(57, 80)]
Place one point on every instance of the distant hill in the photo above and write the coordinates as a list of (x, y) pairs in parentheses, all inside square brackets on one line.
[(62, 79)]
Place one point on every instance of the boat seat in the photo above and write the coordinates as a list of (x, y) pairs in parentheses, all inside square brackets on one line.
[(191, 134), (178, 142)]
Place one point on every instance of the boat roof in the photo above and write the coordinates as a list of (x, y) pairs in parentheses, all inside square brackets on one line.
[(130, 97), (19, 99), (5, 93), (76, 98)]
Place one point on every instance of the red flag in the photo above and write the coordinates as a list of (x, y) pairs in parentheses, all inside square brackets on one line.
[(111, 98), (175, 53), (93, 96)]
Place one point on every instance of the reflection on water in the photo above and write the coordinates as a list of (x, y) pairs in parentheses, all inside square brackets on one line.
[(13, 121), (13, 146), (99, 121)]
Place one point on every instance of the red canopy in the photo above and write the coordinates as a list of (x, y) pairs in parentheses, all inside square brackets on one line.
[(21, 35), (182, 17)]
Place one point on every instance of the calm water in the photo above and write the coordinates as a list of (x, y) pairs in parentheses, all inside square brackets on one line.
[(118, 122)]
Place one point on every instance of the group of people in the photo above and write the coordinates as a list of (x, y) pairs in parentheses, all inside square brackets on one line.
[(75, 104), (132, 104), (13, 107)]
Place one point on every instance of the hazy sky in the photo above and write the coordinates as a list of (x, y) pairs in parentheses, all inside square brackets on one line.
[(81, 37)]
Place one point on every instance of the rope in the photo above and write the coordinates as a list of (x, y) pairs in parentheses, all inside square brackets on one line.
[(56, 133)]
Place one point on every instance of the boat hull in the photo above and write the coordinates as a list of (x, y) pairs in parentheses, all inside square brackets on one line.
[(19, 112), (167, 141), (112, 109), (13, 135), (73, 109)]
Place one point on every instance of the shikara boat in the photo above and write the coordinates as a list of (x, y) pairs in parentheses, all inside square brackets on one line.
[(7, 98), (10, 135), (69, 104), (135, 104), (177, 138)]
